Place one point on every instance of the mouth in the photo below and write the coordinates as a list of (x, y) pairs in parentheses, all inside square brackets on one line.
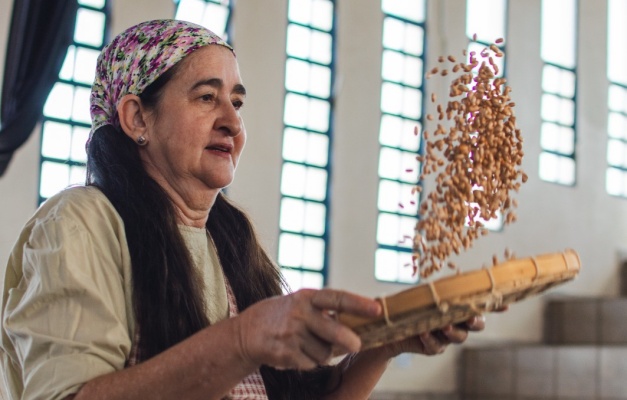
[(220, 147)]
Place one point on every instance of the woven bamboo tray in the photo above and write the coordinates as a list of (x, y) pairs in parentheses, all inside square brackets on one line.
[(456, 298)]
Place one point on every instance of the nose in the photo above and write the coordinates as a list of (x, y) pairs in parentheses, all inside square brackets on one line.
[(229, 121)]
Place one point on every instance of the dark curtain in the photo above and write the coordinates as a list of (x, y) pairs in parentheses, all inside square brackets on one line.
[(40, 33)]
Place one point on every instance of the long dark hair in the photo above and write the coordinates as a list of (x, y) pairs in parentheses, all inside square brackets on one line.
[(167, 291)]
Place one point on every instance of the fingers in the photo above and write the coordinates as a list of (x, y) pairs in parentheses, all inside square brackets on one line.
[(431, 344), (335, 301), (318, 351), (458, 333), (474, 324), (340, 301), (300, 330), (435, 342), (333, 332), (311, 353), (454, 334)]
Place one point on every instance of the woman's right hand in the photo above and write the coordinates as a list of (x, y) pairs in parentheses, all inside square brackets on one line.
[(299, 331)]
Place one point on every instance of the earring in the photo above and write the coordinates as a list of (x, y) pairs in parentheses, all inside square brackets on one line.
[(141, 141)]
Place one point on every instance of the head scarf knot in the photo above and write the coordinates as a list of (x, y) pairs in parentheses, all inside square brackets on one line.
[(137, 57)]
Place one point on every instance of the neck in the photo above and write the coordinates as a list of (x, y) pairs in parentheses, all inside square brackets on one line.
[(192, 205), (190, 215)]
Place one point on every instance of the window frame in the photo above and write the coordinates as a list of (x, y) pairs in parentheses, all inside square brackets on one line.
[(69, 162), (555, 153), (293, 271), (402, 252)]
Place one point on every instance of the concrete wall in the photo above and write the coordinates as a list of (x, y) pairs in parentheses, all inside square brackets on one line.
[(551, 217)]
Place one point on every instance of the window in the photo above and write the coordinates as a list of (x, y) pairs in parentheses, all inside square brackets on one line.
[(305, 175), (215, 15), (616, 176), (559, 83), (402, 72), (486, 21), (67, 122)]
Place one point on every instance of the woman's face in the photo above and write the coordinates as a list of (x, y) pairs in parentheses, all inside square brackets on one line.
[(196, 134)]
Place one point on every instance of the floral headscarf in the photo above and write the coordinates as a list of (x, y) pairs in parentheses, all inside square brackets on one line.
[(137, 57)]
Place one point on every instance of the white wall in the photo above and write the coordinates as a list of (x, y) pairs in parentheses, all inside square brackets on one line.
[(551, 217), (259, 41)]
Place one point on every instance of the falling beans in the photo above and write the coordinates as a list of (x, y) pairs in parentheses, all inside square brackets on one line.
[(475, 154)]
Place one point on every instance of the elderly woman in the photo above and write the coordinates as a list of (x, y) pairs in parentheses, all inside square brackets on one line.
[(148, 283)]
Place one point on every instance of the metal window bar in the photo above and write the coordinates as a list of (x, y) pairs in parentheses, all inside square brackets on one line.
[(393, 254), (199, 17), (477, 45), (616, 173), (66, 167), (616, 179), (558, 160), (300, 274)]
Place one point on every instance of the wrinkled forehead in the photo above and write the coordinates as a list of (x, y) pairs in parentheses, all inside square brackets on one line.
[(210, 62)]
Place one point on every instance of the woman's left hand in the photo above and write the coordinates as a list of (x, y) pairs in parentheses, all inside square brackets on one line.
[(361, 371), (435, 342)]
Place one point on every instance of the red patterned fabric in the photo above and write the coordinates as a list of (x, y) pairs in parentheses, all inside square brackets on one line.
[(250, 388)]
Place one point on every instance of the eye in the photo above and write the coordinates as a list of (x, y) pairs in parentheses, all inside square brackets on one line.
[(207, 97), (238, 104)]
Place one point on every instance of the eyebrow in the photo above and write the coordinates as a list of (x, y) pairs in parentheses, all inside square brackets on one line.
[(218, 84)]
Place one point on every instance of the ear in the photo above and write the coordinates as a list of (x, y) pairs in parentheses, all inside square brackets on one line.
[(132, 117)]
